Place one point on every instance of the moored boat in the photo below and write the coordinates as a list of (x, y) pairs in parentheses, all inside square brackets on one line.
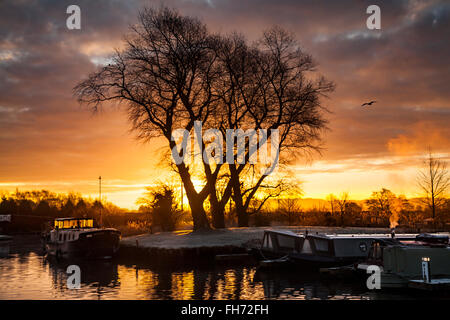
[(75, 237), (401, 261), (318, 250)]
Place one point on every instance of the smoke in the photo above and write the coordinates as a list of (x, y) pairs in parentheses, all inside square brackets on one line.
[(395, 207), (393, 220)]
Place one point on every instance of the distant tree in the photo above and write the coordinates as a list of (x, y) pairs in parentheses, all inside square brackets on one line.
[(8, 206), (68, 209), (342, 202), (290, 207), (385, 204), (25, 207), (43, 209), (380, 201), (162, 203), (331, 198), (81, 209), (434, 182), (95, 210), (353, 209)]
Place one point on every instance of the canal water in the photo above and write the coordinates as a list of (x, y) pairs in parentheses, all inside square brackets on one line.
[(25, 273)]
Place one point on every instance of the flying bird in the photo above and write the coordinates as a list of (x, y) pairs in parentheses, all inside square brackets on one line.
[(368, 103)]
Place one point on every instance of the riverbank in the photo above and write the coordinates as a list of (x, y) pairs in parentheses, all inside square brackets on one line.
[(186, 245)]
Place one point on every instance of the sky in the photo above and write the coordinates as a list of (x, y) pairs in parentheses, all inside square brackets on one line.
[(49, 141)]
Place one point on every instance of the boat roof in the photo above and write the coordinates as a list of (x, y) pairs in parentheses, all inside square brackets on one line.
[(366, 235), (64, 219), (346, 236), (285, 232)]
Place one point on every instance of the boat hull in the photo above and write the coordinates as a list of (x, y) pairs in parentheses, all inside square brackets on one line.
[(98, 244)]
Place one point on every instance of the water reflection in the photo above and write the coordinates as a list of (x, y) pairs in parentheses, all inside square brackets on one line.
[(4, 249), (309, 286), (26, 274)]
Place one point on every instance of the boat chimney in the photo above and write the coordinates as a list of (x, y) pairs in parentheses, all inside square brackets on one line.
[(392, 233)]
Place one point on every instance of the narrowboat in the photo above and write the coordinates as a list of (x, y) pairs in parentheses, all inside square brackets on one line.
[(75, 237), (317, 250), (401, 261)]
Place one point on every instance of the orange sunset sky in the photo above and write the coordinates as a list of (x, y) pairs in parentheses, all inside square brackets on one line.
[(48, 141)]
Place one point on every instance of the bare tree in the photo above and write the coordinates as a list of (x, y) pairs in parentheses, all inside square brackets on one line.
[(434, 181), (381, 201), (173, 73), (386, 205), (291, 207), (342, 203), (331, 198)]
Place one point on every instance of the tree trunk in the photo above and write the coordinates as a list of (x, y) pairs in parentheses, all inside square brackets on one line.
[(433, 206), (217, 212), (241, 211), (195, 201), (198, 214), (237, 197)]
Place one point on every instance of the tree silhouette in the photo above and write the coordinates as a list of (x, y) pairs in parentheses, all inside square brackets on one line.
[(434, 181), (173, 73)]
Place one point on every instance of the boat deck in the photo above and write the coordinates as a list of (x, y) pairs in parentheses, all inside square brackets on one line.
[(433, 285)]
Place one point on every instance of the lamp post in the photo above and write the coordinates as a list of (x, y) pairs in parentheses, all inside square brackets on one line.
[(100, 198)]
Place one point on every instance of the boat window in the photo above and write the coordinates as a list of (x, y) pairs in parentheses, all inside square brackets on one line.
[(306, 246), (286, 242), (267, 241), (86, 223), (321, 244), (377, 251), (74, 223)]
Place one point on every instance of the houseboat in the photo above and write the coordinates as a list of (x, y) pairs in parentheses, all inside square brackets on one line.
[(74, 237), (401, 261), (317, 250)]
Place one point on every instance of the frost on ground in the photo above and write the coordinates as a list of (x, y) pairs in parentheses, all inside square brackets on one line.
[(226, 237)]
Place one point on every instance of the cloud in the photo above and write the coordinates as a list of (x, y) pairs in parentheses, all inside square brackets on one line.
[(422, 137)]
